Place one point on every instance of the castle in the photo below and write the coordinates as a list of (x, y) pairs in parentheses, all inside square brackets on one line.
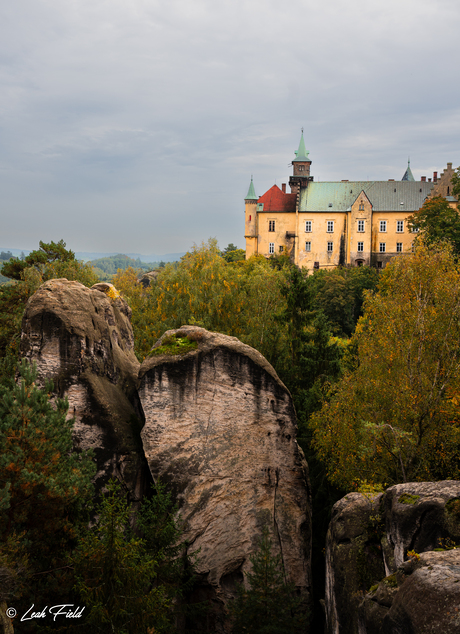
[(327, 224)]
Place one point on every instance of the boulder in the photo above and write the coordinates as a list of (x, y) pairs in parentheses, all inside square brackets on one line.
[(386, 543), (220, 429), (353, 559), (82, 340), (428, 598)]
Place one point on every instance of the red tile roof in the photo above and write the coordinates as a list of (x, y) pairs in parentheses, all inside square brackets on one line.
[(276, 200)]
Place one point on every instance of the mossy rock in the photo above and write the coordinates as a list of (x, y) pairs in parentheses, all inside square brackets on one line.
[(173, 345), (391, 581), (407, 498)]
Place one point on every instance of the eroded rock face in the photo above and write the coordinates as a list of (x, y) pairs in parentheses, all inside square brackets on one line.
[(220, 429), (373, 585), (353, 559), (82, 339)]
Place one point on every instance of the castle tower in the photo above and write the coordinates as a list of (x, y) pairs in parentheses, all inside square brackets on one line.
[(301, 168), (250, 229)]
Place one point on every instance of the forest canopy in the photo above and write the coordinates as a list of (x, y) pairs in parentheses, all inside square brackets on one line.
[(394, 417)]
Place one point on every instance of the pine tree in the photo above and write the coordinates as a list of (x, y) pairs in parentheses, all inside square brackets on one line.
[(131, 580), (269, 605), (44, 486)]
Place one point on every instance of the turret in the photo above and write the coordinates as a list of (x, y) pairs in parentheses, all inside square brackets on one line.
[(408, 176), (250, 232)]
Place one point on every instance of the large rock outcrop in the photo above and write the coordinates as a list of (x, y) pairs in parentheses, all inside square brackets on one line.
[(382, 574), (82, 339), (220, 428)]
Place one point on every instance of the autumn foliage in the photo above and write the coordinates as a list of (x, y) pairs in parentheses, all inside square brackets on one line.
[(395, 418)]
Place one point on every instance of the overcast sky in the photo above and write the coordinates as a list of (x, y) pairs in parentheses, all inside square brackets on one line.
[(135, 125)]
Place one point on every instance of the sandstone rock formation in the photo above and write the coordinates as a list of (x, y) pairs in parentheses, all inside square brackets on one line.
[(82, 339), (149, 278), (353, 559), (422, 597), (373, 585), (220, 429)]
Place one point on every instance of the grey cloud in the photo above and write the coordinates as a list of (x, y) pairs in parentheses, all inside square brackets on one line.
[(135, 126)]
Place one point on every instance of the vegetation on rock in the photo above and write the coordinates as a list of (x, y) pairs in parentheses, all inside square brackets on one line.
[(174, 344)]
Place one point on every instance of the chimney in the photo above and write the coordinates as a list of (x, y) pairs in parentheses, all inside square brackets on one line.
[(435, 177), (429, 180), (423, 179), (391, 179), (283, 188)]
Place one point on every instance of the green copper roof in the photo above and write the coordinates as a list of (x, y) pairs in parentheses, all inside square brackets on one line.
[(301, 154), (383, 195), (408, 173), (251, 195)]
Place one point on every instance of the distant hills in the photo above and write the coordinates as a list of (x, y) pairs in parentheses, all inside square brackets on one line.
[(85, 255)]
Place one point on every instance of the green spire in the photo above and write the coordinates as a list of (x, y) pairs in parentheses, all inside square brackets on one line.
[(251, 195), (302, 154), (408, 176)]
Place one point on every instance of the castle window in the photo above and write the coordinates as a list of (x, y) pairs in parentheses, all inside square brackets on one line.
[(399, 247), (271, 225), (414, 230), (361, 206), (379, 265), (382, 247), (330, 226), (330, 247), (307, 226), (360, 247), (383, 226), (361, 226), (250, 218), (281, 249), (308, 247), (271, 247), (399, 226)]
